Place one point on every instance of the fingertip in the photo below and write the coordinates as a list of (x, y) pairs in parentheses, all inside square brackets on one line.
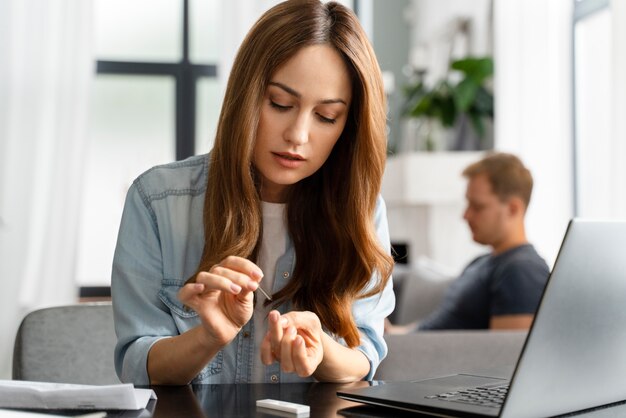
[(274, 315), (257, 274), (266, 360), (235, 288)]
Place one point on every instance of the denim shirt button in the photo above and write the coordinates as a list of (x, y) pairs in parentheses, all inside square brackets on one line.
[(246, 334), (274, 378), (286, 274)]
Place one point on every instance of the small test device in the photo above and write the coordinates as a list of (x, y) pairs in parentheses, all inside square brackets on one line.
[(268, 297), (284, 406)]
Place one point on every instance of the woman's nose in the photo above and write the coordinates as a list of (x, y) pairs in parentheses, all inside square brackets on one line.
[(298, 132)]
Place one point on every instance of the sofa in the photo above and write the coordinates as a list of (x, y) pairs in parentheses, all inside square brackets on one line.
[(419, 289), (74, 344), (427, 354)]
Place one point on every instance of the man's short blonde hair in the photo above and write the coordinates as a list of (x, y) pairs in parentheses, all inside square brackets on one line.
[(506, 173)]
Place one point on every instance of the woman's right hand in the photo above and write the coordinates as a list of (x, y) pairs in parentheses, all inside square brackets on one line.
[(223, 297)]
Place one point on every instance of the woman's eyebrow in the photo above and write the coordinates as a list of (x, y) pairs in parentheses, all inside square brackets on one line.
[(298, 95)]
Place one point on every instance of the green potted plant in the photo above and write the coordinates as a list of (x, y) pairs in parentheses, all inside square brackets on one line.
[(452, 104)]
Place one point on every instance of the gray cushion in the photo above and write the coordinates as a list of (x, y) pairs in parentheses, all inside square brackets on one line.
[(66, 344), (421, 289), (427, 354)]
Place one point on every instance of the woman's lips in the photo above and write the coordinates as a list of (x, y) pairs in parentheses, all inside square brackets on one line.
[(288, 160)]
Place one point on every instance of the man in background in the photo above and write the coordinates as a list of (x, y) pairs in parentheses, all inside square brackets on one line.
[(501, 289)]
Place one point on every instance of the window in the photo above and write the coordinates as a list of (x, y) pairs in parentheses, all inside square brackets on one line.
[(155, 99), (592, 109)]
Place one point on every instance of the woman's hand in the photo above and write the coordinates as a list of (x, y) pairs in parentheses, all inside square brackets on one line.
[(223, 297), (295, 340)]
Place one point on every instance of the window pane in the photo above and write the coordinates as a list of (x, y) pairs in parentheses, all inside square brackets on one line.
[(204, 27), (593, 99), (131, 129), (208, 106), (138, 30)]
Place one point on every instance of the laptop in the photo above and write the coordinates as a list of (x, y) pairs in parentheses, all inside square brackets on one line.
[(574, 357)]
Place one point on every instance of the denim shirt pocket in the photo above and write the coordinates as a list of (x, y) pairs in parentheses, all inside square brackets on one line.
[(186, 319)]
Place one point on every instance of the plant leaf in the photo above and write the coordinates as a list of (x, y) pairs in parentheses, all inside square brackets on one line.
[(413, 94), (483, 102), (477, 124), (477, 69), (447, 111), (465, 93)]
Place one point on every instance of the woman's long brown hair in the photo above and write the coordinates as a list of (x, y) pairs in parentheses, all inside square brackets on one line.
[(330, 215)]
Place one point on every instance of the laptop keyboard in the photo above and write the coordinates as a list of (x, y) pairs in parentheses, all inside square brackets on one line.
[(492, 396)]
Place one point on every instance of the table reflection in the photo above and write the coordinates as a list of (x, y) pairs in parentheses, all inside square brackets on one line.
[(239, 400)]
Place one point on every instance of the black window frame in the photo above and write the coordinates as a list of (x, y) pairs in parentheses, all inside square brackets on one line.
[(185, 73)]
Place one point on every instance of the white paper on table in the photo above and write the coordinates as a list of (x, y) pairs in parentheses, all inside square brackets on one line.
[(44, 395), (12, 413)]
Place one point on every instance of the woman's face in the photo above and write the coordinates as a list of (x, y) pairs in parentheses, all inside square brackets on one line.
[(303, 113)]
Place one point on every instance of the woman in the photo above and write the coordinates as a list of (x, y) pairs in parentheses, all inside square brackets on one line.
[(287, 200)]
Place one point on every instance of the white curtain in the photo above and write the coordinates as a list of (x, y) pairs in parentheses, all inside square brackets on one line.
[(533, 107), (45, 76)]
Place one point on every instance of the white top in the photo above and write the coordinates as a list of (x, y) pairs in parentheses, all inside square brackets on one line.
[(273, 245)]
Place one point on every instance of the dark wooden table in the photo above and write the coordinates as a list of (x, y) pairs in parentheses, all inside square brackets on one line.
[(239, 401)]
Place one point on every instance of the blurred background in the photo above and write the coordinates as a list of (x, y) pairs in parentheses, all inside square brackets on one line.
[(94, 92)]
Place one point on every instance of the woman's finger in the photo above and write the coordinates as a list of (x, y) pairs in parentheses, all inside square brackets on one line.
[(303, 320), (266, 350), (219, 278), (276, 326), (189, 291), (301, 360), (242, 265), (286, 361)]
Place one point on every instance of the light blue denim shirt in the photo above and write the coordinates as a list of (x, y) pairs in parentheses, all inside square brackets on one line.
[(159, 246)]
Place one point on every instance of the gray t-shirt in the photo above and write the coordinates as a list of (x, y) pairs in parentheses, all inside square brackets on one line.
[(505, 284)]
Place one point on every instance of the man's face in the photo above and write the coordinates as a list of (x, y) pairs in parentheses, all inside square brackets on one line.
[(487, 216)]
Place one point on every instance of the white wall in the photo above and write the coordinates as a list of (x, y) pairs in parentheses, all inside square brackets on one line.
[(592, 86), (618, 107), (424, 193)]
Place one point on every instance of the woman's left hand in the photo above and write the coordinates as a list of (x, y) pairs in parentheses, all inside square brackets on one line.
[(295, 340)]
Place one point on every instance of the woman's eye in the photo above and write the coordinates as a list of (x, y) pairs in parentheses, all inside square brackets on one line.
[(325, 119), (279, 106)]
